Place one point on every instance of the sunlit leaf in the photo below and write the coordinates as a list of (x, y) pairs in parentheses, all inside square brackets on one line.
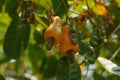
[(4, 23), (45, 5), (4, 19), (118, 3), (67, 71), (75, 11), (109, 66), (41, 21), (91, 3)]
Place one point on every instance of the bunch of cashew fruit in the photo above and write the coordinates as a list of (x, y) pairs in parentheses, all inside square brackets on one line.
[(56, 34)]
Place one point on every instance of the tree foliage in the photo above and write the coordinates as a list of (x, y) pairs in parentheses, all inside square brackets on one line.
[(27, 49)]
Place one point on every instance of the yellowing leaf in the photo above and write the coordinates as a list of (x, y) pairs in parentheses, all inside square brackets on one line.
[(100, 10), (82, 66), (118, 2)]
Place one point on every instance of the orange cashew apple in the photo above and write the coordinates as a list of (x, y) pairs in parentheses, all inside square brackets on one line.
[(66, 44), (53, 33)]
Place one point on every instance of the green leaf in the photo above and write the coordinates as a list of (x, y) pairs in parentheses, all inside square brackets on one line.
[(73, 32), (25, 34), (17, 35), (60, 7), (11, 7), (1, 4), (37, 56), (45, 5), (16, 39), (1, 77), (116, 12), (49, 69), (38, 36), (67, 71), (86, 50)]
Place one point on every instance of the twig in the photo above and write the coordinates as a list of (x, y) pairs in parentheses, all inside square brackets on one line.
[(115, 30), (115, 54)]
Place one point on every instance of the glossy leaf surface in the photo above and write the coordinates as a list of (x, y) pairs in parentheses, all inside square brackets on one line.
[(60, 7), (16, 39), (67, 71)]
